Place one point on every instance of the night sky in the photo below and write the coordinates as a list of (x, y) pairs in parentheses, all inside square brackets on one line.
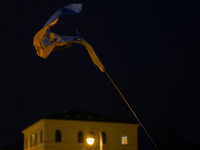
[(150, 49)]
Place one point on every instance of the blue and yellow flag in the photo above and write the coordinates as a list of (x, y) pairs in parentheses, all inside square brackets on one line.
[(45, 41)]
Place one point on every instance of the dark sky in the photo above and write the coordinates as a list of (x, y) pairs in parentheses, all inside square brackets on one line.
[(150, 49)]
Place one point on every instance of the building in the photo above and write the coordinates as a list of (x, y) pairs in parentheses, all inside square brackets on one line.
[(70, 130)]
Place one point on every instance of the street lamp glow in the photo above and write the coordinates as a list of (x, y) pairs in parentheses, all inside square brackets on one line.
[(90, 141)]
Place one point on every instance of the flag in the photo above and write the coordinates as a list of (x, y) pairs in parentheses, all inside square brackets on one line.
[(45, 41)]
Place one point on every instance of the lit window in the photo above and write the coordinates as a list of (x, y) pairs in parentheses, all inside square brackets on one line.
[(104, 137), (124, 139), (58, 136), (80, 137), (33, 140)]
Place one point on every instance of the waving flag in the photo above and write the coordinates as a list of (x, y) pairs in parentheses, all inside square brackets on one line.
[(45, 41)]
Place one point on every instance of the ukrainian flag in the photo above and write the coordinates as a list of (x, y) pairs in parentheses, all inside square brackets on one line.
[(45, 41)]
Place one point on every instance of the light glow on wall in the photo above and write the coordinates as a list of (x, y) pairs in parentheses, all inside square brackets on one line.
[(90, 141)]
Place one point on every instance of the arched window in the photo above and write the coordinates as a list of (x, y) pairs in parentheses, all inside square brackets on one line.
[(104, 137), (124, 139), (58, 136), (80, 137)]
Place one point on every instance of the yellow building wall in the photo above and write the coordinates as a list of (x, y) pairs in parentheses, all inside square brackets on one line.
[(69, 135), (36, 128)]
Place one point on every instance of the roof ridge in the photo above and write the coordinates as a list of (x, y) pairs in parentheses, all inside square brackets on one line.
[(81, 115)]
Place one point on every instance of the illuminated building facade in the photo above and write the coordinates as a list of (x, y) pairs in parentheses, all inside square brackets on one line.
[(71, 129)]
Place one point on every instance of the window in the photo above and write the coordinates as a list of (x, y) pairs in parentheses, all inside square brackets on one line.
[(41, 136), (33, 140), (104, 137), (58, 136), (26, 142), (124, 139), (80, 137)]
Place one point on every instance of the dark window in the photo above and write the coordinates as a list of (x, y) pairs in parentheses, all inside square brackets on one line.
[(26, 143), (58, 136), (41, 136), (31, 141), (80, 137), (104, 137)]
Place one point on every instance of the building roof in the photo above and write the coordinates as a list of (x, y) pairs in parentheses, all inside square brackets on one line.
[(81, 115)]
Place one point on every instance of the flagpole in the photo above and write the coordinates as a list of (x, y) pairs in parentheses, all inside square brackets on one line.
[(131, 109)]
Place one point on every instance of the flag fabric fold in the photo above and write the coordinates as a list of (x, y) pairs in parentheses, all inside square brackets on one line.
[(45, 41)]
